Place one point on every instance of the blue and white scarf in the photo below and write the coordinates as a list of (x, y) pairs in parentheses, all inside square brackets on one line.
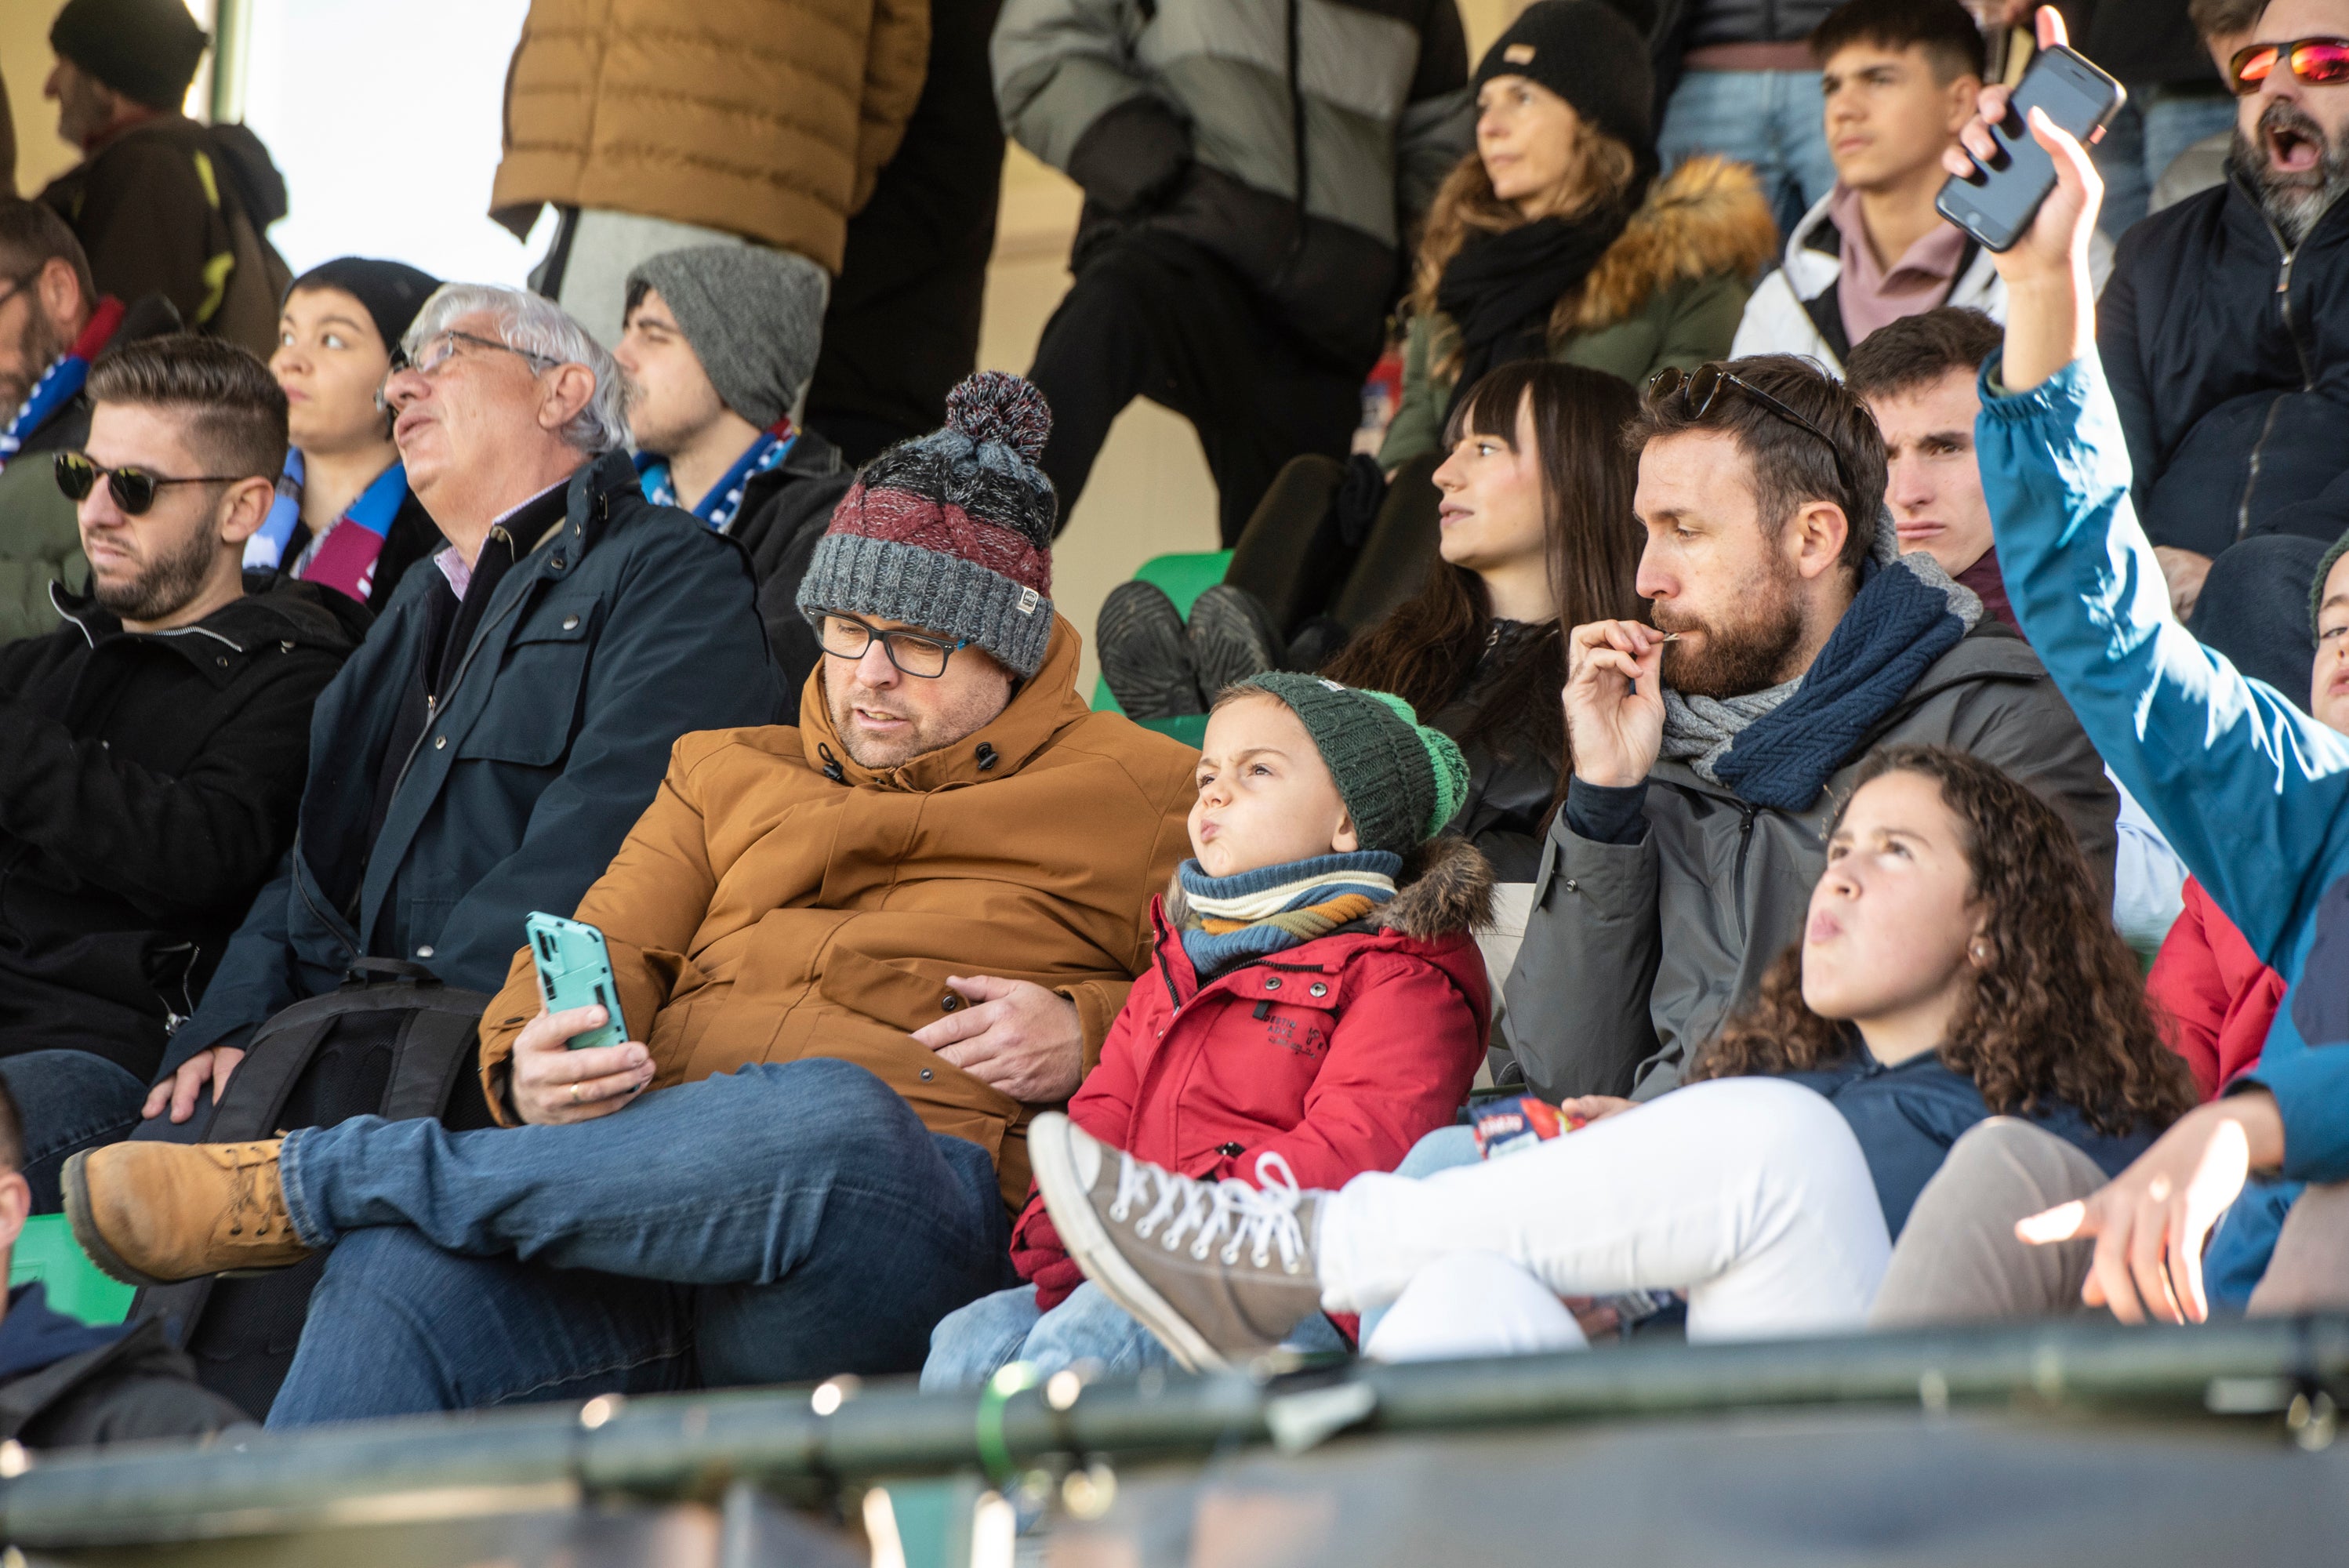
[(62, 380), (725, 498)]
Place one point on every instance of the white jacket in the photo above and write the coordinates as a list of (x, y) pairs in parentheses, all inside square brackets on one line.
[(1789, 314)]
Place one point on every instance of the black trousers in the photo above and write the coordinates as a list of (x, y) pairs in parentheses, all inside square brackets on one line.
[(1153, 316), (2254, 608), (1294, 558)]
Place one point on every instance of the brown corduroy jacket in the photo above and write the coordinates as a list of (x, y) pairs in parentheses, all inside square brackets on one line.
[(768, 119), (760, 911)]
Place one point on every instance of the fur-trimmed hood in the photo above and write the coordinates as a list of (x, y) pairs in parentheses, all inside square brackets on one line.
[(1446, 889), (1706, 218)]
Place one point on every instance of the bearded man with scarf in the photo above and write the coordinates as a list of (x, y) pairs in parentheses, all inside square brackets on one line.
[(1790, 639)]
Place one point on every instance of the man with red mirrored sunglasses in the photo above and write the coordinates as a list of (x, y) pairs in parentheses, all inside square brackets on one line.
[(2225, 329)]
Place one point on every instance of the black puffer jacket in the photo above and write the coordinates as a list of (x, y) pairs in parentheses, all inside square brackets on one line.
[(784, 511), (1510, 782), (2229, 357), (149, 783)]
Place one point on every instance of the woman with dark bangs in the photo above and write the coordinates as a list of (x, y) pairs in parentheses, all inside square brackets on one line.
[(1536, 534), (1957, 966)]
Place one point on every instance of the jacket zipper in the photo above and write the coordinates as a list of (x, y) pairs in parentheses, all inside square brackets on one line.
[(432, 704), (1297, 125), (1745, 843), (2307, 381), (2251, 478)]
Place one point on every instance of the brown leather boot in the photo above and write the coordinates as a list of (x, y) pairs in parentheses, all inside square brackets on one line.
[(153, 1213)]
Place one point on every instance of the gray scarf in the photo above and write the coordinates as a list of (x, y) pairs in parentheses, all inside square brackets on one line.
[(1698, 730)]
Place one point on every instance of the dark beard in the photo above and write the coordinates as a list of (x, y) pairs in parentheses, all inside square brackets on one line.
[(167, 583), (1737, 658), (2292, 202)]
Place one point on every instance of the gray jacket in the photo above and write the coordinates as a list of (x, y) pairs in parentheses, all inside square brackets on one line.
[(1296, 141), (1634, 954)]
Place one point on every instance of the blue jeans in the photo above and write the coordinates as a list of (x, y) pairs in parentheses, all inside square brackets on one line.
[(1775, 120), (781, 1223), (2153, 127), (969, 1346), (68, 1101)]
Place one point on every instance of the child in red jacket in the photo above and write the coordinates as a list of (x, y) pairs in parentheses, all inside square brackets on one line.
[(1316, 1006)]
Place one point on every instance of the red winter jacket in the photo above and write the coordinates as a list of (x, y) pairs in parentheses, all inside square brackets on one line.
[(1339, 1054), (2219, 997)]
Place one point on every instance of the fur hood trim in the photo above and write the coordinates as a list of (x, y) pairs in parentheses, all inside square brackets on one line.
[(1446, 889), (1705, 218)]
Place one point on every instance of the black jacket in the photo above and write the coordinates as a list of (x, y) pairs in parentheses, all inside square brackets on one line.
[(2228, 357), (1511, 785), (621, 628), (1750, 21), (64, 1385), (784, 511), (148, 786)]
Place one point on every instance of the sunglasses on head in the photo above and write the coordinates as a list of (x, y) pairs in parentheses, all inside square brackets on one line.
[(1698, 388), (133, 488), (2317, 62)]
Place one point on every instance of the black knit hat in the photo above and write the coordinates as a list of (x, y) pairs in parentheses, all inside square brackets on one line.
[(393, 292), (1402, 781), (1594, 55), (146, 50)]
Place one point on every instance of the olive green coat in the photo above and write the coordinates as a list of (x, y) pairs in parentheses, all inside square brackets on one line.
[(1670, 291)]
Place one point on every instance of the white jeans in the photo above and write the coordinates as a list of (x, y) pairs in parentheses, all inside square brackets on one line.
[(1749, 1193)]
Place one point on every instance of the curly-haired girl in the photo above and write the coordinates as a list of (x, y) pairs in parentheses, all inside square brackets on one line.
[(1957, 963)]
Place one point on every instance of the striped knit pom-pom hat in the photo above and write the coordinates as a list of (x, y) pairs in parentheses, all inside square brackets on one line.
[(952, 533)]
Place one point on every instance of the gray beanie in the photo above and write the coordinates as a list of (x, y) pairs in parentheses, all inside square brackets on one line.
[(952, 533), (754, 317)]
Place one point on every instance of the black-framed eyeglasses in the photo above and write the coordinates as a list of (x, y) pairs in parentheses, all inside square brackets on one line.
[(2318, 62), (133, 488), (1698, 388), (846, 638), (435, 351)]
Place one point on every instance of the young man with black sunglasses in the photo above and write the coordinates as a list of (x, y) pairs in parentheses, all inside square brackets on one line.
[(2225, 329), (1788, 638), (156, 741)]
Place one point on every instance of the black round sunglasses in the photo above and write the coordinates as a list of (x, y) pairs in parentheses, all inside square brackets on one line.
[(133, 488)]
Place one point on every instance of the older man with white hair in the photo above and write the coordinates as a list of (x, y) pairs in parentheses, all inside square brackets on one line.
[(512, 711)]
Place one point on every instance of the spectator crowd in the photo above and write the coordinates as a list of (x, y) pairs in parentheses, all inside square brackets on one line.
[(1792, 779)]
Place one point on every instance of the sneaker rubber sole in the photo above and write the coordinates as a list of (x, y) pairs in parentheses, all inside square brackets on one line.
[(1087, 1240)]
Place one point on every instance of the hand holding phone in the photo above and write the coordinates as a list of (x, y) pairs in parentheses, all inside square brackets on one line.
[(574, 970), (1996, 201)]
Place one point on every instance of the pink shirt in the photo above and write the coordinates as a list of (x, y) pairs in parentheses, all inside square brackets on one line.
[(1873, 295)]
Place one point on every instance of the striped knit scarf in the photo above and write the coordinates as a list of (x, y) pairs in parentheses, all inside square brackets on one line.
[(62, 379), (1275, 908), (725, 498)]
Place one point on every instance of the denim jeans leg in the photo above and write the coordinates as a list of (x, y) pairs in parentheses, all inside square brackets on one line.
[(972, 1341), (2175, 121), (399, 1326), (68, 1101), (1719, 112)]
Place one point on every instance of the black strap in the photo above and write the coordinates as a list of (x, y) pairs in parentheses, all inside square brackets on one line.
[(1826, 310)]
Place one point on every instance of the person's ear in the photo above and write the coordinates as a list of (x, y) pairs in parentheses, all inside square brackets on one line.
[(1345, 840), (1815, 537), (244, 509), (15, 1207), (1980, 949), (57, 293), (569, 388), (1964, 91)]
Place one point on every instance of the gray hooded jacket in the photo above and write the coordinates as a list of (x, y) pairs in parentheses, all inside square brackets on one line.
[(1635, 954)]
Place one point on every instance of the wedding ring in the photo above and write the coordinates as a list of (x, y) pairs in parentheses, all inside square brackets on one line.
[(575, 1094)]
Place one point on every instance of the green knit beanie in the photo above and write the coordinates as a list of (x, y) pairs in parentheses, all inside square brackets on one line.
[(2323, 570), (1400, 780)]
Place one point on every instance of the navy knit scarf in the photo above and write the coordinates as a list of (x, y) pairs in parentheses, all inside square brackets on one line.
[(1778, 748)]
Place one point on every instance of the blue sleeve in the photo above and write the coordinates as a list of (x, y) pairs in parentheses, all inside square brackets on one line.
[(2248, 789), (673, 658), (253, 980)]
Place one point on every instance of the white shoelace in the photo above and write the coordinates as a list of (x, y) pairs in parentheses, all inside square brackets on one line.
[(1258, 1218)]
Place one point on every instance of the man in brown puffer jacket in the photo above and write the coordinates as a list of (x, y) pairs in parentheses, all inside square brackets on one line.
[(853, 958)]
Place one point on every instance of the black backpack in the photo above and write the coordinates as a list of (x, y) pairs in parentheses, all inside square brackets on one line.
[(392, 1042)]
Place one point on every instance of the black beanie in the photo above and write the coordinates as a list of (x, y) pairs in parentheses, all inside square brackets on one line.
[(1594, 55), (146, 50), (393, 292)]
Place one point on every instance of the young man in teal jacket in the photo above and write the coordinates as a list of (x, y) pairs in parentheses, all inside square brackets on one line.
[(2252, 792)]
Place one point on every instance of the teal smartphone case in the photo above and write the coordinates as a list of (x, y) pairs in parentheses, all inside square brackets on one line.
[(576, 971)]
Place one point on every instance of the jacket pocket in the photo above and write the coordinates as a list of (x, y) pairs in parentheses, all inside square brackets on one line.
[(534, 712), (892, 992)]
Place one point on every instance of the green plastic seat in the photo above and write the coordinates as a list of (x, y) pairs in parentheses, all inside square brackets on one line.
[(1183, 577), (47, 1252)]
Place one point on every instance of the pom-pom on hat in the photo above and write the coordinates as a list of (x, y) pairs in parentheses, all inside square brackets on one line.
[(953, 532), (1400, 780)]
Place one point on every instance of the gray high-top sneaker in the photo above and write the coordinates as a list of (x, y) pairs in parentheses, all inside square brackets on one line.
[(1219, 1271)]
